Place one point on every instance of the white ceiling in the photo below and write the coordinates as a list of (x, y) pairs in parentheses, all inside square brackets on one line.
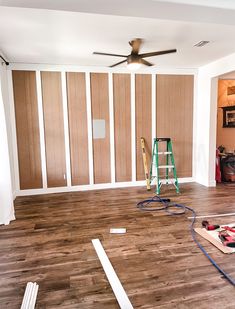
[(230, 75), (67, 32), (223, 4)]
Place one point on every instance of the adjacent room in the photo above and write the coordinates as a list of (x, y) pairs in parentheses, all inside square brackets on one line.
[(117, 157), (225, 168)]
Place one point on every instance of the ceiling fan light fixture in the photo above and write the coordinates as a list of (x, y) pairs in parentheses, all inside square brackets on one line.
[(134, 66), (133, 62)]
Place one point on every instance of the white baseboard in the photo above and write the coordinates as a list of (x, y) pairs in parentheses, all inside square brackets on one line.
[(9, 218), (211, 183), (14, 195), (80, 188), (90, 187)]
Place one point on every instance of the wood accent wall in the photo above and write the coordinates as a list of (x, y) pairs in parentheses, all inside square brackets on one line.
[(122, 126), (54, 129), (77, 112), (143, 117), (27, 129), (175, 117), (100, 110)]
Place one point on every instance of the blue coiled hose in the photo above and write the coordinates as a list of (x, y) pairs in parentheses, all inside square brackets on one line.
[(167, 207)]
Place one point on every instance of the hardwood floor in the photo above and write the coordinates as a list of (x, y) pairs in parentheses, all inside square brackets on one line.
[(156, 260)]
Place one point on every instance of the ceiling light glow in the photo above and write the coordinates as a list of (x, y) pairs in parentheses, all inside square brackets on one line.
[(134, 66)]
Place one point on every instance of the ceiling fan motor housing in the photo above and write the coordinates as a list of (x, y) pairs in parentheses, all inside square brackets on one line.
[(133, 58)]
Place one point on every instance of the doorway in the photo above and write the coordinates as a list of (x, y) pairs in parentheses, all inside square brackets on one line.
[(225, 131)]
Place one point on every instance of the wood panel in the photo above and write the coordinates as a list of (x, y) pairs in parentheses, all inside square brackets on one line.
[(52, 246), (122, 126), (100, 110), (27, 129), (77, 112), (54, 129), (143, 118), (175, 117)]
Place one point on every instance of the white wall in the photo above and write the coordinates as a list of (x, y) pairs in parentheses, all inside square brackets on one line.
[(205, 118), (8, 116), (6, 194)]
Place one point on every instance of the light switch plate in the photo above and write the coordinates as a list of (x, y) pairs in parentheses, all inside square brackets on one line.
[(98, 128)]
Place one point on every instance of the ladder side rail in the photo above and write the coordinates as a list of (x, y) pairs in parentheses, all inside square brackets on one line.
[(174, 169), (152, 160), (167, 162), (158, 184)]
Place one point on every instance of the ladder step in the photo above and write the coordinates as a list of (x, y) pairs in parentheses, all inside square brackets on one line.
[(162, 139), (166, 166), (164, 152)]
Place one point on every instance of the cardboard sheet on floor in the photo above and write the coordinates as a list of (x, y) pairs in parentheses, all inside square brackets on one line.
[(212, 237)]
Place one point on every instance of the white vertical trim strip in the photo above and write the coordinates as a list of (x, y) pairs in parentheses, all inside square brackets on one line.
[(30, 296), (194, 144), (26, 295), (41, 130), (113, 279), (66, 128), (14, 137), (154, 107), (89, 128), (133, 135), (28, 292), (33, 296), (111, 122)]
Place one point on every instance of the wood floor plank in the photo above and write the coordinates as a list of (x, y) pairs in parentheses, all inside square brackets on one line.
[(156, 261)]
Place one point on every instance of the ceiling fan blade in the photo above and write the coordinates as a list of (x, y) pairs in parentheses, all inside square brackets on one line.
[(106, 54), (146, 62), (158, 53), (113, 65), (135, 44)]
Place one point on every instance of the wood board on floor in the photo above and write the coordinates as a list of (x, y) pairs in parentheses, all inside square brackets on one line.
[(212, 237)]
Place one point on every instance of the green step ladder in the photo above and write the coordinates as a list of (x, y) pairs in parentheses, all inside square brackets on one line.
[(170, 163)]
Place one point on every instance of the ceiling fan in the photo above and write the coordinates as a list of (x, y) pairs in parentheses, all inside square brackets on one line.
[(134, 59)]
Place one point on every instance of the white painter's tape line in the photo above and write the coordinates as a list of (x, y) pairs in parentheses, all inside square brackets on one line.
[(117, 231), (214, 216), (115, 283)]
